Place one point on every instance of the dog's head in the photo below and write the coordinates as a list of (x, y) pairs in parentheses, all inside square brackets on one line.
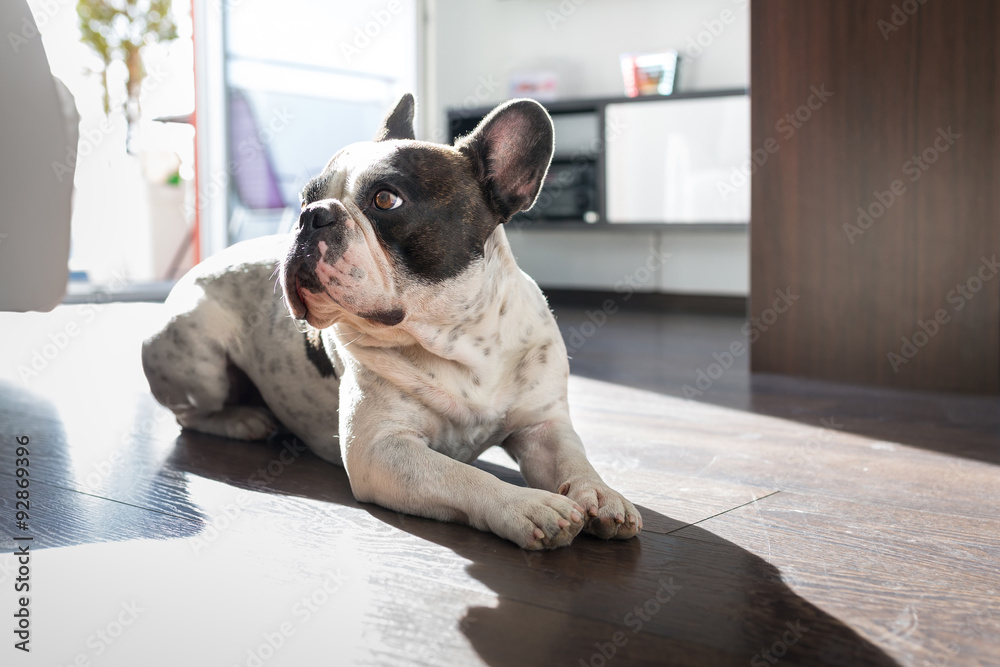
[(388, 214)]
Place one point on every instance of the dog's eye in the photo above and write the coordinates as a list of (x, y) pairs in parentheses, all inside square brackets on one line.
[(386, 200)]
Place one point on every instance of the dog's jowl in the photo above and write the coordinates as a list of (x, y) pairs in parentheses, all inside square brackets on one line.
[(401, 340)]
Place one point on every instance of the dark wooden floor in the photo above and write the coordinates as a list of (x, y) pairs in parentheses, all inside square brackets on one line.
[(820, 524)]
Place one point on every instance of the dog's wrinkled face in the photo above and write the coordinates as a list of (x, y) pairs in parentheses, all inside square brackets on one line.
[(387, 214)]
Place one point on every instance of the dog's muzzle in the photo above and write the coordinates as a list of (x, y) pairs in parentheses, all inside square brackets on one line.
[(328, 221)]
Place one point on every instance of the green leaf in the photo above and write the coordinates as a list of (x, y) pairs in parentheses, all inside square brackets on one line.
[(119, 29)]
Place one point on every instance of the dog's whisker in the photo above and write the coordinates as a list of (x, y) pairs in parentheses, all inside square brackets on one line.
[(354, 341)]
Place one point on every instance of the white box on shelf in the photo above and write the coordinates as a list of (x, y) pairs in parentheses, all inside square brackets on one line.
[(678, 161)]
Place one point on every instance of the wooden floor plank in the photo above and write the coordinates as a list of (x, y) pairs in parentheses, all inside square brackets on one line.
[(697, 440), (694, 599), (922, 586), (685, 355), (354, 613), (877, 531)]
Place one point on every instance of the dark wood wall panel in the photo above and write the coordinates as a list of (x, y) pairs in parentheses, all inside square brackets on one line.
[(897, 88)]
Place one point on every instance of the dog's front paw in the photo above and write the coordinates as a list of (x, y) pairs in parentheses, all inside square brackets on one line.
[(538, 520), (610, 515)]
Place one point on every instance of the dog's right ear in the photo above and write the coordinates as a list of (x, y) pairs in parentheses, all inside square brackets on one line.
[(398, 123)]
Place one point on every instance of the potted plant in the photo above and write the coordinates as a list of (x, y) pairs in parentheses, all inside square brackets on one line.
[(119, 30)]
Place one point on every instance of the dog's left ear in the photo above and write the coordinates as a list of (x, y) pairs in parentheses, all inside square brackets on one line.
[(510, 151), (398, 123)]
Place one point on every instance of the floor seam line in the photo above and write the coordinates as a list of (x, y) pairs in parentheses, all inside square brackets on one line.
[(113, 500), (749, 502)]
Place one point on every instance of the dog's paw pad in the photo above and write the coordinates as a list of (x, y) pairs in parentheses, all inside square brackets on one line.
[(610, 515)]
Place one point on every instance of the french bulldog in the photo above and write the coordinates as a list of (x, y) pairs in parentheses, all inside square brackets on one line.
[(405, 340)]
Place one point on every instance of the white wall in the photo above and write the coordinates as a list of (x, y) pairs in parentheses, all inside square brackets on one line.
[(372, 37), (473, 46), (675, 260), (475, 41)]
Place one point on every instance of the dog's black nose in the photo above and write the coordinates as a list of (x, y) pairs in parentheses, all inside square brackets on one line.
[(314, 218), (318, 215)]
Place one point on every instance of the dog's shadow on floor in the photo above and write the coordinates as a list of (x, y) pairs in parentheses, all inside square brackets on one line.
[(676, 594)]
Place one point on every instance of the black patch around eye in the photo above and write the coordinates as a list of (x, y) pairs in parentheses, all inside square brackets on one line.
[(444, 223)]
